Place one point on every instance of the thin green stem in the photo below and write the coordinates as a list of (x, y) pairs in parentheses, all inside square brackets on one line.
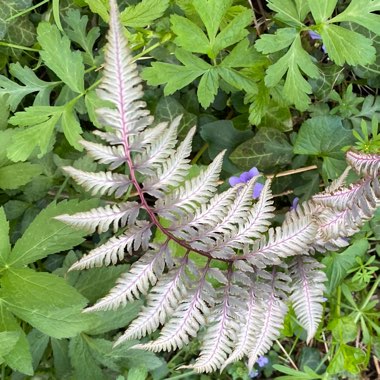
[(26, 10), (59, 192), (338, 301), (370, 294), (146, 51), (7, 44), (199, 154), (182, 376)]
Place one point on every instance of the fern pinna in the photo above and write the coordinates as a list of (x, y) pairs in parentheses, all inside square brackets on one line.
[(240, 295)]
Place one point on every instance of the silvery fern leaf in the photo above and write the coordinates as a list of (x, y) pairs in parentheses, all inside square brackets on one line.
[(307, 292), (237, 292)]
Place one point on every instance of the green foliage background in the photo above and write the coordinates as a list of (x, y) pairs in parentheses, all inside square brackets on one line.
[(283, 85)]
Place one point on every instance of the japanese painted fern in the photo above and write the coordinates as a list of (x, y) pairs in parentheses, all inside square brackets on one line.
[(242, 309)]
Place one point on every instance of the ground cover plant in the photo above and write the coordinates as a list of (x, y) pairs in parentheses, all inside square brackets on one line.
[(257, 110)]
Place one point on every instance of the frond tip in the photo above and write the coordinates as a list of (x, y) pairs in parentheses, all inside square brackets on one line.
[(238, 289)]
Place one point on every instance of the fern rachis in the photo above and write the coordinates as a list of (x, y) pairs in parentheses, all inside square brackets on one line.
[(243, 308)]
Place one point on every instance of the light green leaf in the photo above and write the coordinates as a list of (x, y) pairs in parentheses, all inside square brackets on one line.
[(322, 10), (99, 7), (16, 175), (243, 55), (360, 12), (234, 32), (8, 340), (324, 136), (270, 43), (292, 63), (71, 127), (5, 246), (260, 103), (291, 12), (208, 87), (269, 148), (189, 35), (42, 120), (137, 373), (45, 301), (38, 342), (238, 80), (19, 358), (211, 12), (344, 45), (58, 56), (46, 235), (338, 264), (15, 92), (143, 13)]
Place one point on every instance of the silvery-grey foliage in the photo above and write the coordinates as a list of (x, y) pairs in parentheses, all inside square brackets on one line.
[(242, 310)]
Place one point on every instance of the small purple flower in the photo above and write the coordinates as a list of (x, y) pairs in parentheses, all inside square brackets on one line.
[(245, 178), (262, 361), (253, 373), (294, 203), (316, 36)]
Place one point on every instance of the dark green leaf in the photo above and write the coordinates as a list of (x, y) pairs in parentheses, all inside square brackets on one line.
[(5, 246), (16, 175)]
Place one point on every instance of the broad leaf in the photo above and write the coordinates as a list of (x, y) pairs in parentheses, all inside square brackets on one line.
[(291, 12), (46, 235), (5, 246), (8, 341), (16, 175), (45, 301), (58, 56), (322, 10)]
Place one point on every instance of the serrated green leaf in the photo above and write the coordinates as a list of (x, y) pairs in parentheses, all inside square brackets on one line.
[(46, 235), (234, 32), (208, 87), (99, 7), (291, 12), (5, 246), (8, 340), (189, 35), (16, 175), (211, 12), (338, 264), (270, 43), (58, 56), (260, 103), (19, 358), (361, 12), (243, 55), (292, 63), (237, 79), (322, 10), (344, 45), (45, 301), (277, 117), (143, 13), (42, 121), (15, 92), (343, 329), (266, 150), (71, 127), (324, 136)]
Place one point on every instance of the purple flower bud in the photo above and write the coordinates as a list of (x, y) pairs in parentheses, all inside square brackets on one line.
[(294, 203), (253, 373), (257, 189), (245, 177), (234, 181), (314, 35), (262, 361)]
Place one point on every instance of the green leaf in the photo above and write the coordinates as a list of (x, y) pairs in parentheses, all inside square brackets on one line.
[(41, 121), (324, 136), (243, 55), (289, 11), (338, 264), (58, 56), (237, 79), (16, 175), (46, 235), (211, 12), (38, 342), (5, 245), (45, 301), (270, 43), (15, 92), (347, 358), (189, 35), (62, 365), (308, 373), (71, 127), (344, 45), (208, 87), (19, 358), (292, 63), (8, 341), (99, 7), (322, 10), (269, 148), (343, 329), (143, 13), (277, 117), (137, 373), (361, 12)]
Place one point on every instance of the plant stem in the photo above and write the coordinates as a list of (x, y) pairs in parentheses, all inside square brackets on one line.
[(8, 44), (287, 355), (26, 10), (182, 376), (199, 154)]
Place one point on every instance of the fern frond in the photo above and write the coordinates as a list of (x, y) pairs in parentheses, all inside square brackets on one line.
[(135, 282), (101, 218), (364, 164), (100, 183), (307, 292), (114, 250)]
